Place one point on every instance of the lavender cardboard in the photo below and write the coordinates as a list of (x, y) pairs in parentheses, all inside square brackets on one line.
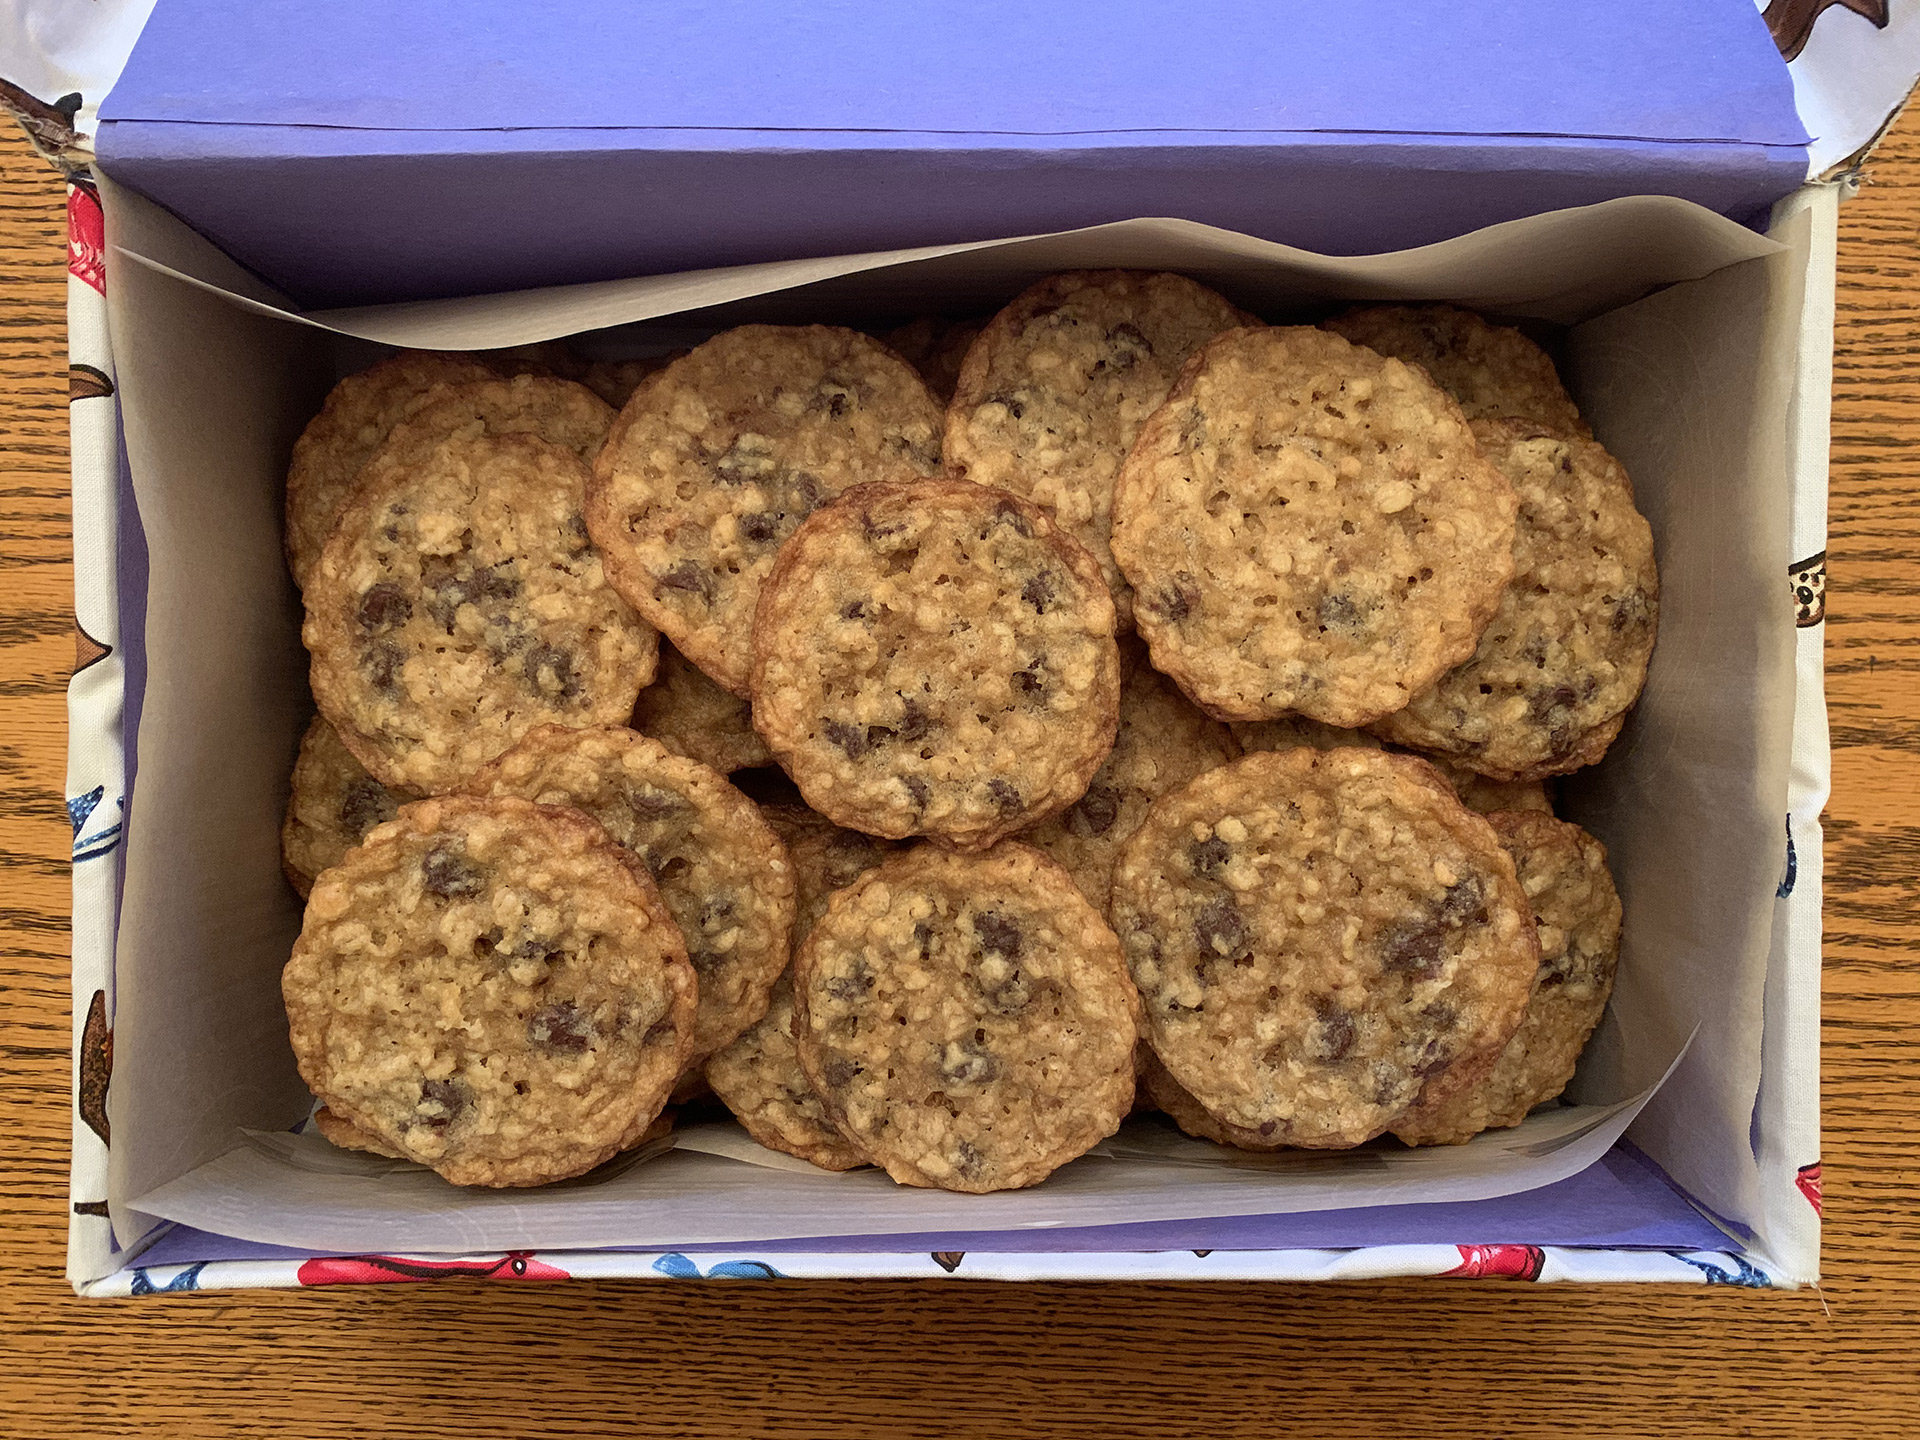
[(359, 152)]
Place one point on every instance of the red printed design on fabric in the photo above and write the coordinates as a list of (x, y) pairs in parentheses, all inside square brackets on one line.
[(1807, 1177), (1509, 1262), (393, 1269), (86, 238)]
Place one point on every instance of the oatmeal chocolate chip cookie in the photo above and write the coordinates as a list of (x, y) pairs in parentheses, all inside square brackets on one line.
[(461, 603), (692, 716), (1492, 370), (1318, 936), (1057, 386), (346, 1136), (722, 872), (758, 1076), (936, 658), (1549, 686), (360, 412), (936, 347), (557, 411), (1563, 870), (967, 1018), (1162, 743), (718, 458), (1190, 1115), (490, 988), (1479, 793), (1310, 528), (332, 805)]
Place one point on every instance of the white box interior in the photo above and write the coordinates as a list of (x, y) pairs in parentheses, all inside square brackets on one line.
[(1679, 350)]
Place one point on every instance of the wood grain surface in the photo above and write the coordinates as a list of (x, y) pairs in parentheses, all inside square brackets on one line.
[(1434, 1358)]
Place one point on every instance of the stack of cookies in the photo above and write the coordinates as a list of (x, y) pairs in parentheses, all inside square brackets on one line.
[(1142, 707)]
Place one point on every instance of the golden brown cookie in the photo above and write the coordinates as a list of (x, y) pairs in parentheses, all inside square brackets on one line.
[(717, 458), (1317, 936), (1493, 371), (1189, 1114), (1055, 390), (490, 988), (1566, 655), (331, 805), (1476, 792), (1162, 743), (692, 716), (758, 1077), (1563, 870), (936, 347), (1479, 793), (722, 872), (358, 415), (460, 604), (1311, 529), (936, 659), (967, 1018)]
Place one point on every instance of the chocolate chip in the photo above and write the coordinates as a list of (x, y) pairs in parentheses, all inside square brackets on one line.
[(1006, 796), (997, 934), (838, 1072), (365, 804), (560, 1029), (850, 738), (923, 937), (690, 576), (706, 962), (835, 396), (1178, 598), (741, 463), (448, 874), (854, 610), (1632, 611), (1332, 1035), (915, 722), (917, 790), (1416, 948), (383, 663), (851, 986), (967, 1063), (1543, 703), (441, 1103), (450, 583), (1094, 812), (761, 528), (1129, 347), (1039, 590), (1339, 613), (1008, 994), (651, 803), (1206, 856), (1221, 930), (551, 671), (384, 607), (716, 907)]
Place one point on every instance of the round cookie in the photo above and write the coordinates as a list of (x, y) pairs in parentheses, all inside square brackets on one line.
[(717, 458), (490, 988), (542, 406), (936, 658), (758, 1076), (936, 347), (1310, 528), (331, 806), (1056, 388), (358, 415), (1189, 1114), (1162, 743), (459, 604), (1563, 870), (723, 874), (692, 716), (967, 1019), (1550, 683), (1318, 936), (1491, 370)]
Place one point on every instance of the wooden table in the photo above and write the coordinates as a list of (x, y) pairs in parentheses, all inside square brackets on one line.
[(1450, 1357)]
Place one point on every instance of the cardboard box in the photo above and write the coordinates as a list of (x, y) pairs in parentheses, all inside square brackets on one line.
[(1697, 347)]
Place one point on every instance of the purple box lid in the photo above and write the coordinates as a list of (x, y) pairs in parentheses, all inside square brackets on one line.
[(354, 152)]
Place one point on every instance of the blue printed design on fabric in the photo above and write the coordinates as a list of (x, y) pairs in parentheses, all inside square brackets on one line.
[(1750, 1276), (679, 1267), (100, 842), (1785, 887), (187, 1279)]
